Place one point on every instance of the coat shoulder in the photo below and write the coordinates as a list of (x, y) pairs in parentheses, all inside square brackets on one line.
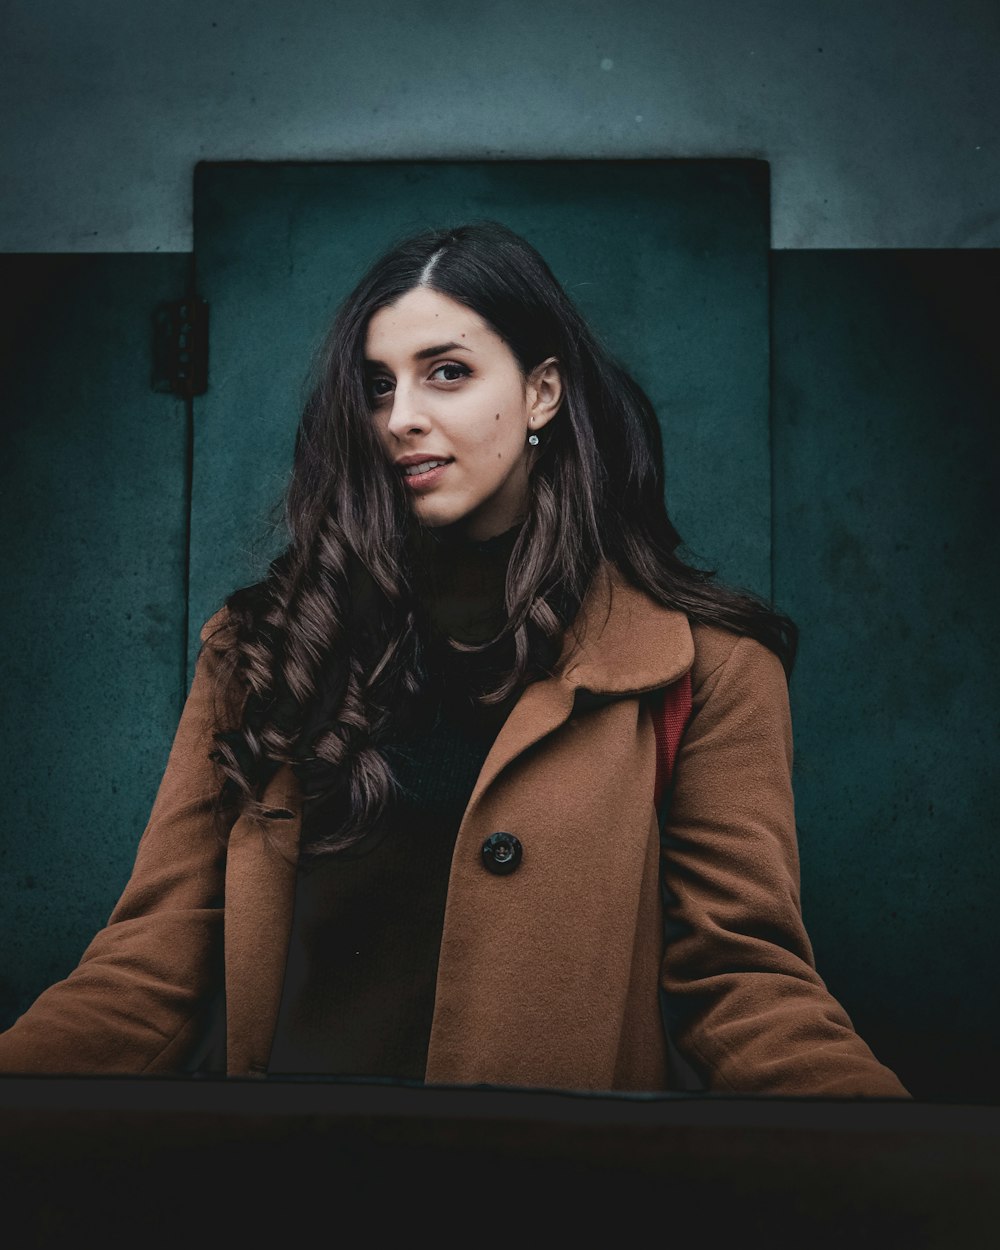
[(216, 628), (715, 646)]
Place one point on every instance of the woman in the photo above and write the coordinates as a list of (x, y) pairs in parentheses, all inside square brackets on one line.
[(407, 826)]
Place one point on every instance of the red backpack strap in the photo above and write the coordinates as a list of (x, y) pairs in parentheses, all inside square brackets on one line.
[(669, 721)]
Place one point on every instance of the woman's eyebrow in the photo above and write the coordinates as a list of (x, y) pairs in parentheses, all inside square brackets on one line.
[(424, 353)]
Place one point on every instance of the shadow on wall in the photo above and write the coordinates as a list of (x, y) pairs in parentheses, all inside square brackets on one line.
[(886, 452)]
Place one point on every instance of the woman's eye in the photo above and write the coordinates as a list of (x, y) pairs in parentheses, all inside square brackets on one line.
[(462, 370)]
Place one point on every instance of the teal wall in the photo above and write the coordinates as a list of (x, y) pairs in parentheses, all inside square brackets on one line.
[(94, 517), (886, 546), (879, 118), (883, 450)]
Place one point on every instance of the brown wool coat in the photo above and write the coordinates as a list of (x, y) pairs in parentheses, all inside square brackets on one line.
[(548, 977)]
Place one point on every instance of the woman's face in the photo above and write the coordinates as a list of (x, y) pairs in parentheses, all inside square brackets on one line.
[(443, 385)]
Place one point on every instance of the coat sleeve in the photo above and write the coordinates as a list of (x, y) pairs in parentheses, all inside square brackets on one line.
[(130, 1005), (743, 999)]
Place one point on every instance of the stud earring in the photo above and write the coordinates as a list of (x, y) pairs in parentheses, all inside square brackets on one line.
[(533, 439)]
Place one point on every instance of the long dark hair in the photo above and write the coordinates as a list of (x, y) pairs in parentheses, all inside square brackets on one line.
[(318, 657)]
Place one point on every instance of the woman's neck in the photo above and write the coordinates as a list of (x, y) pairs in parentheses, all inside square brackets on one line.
[(461, 580)]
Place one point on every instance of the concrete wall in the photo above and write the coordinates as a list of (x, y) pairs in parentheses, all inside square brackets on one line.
[(879, 117)]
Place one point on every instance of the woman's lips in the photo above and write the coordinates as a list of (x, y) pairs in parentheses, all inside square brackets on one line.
[(424, 481)]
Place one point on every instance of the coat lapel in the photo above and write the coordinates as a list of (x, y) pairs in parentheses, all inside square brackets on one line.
[(536, 968), (260, 894), (622, 643)]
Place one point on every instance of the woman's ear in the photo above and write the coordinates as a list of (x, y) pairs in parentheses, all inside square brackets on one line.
[(544, 393)]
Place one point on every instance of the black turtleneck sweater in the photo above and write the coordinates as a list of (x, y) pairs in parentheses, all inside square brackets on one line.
[(358, 994)]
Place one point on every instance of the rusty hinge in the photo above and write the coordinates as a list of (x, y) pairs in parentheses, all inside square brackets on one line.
[(180, 347)]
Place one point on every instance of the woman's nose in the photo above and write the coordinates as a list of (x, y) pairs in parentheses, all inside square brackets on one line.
[(407, 411)]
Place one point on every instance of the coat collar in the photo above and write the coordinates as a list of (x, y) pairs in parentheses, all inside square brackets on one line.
[(622, 643)]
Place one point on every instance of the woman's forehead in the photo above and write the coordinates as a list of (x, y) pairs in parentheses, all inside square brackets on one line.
[(422, 320)]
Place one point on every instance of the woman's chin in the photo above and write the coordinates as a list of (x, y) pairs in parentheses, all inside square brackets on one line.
[(435, 518)]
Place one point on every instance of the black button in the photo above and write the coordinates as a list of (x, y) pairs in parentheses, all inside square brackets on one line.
[(502, 853)]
